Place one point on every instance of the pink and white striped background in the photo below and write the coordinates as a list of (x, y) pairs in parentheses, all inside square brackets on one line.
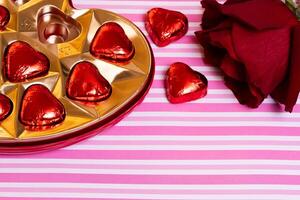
[(211, 149)]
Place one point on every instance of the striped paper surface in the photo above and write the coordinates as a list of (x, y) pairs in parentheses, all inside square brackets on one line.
[(211, 149)]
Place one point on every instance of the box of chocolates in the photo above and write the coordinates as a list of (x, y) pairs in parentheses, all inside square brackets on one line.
[(66, 74)]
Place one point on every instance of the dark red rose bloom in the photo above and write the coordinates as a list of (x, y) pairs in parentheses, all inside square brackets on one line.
[(255, 44)]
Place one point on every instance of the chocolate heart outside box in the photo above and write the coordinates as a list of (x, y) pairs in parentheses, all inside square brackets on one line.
[(64, 34)]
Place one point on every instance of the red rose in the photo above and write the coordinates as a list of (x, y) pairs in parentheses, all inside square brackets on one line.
[(255, 44)]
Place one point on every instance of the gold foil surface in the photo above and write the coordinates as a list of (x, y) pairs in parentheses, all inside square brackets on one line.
[(28, 22)]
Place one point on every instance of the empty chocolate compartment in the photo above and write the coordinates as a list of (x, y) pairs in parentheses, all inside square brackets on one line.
[(56, 27), (20, 2), (64, 35)]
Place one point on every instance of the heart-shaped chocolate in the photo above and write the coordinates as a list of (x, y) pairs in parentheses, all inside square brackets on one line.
[(40, 108), (22, 62), (183, 84), (4, 17), (6, 107), (165, 26), (85, 83), (88, 93), (111, 43)]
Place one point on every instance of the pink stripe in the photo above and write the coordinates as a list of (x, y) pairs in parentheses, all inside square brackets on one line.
[(34, 198), (186, 39), (165, 155), (151, 167), (209, 73), (212, 107), (191, 143), (204, 131), (212, 84), (152, 179), (139, 7), (191, 29), (177, 50), (189, 61), (216, 119), (140, 18), (141, 191), (228, 96)]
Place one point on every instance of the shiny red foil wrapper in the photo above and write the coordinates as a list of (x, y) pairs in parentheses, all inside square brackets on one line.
[(40, 109), (111, 43), (6, 107), (165, 26), (85, 83), (60, 91), (22, 62), (183, 84), (4, 17)]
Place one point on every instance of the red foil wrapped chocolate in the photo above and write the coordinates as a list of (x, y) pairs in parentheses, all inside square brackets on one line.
[(4, 17), (40, 109), (6, 107), (22, 62), (51, 73), (165, 26), (111, 43), (183, 84), (85, 83)]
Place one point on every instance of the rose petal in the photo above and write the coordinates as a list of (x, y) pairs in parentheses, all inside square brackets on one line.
[(212, 15), (213, 55), (223, 39), (233, 69), (250, 41), (246, 95), (265, 55), (229, 2), (260, 14), (287, 93)]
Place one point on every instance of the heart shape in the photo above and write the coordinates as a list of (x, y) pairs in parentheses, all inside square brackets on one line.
[(184, 84), (22, 62), (111, 43), (4, 17), (85, 83), (165, 26), (127, 64), (40, 109), (6, 107), (56, 27)]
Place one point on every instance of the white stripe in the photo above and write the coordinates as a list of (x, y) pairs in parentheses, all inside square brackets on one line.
[(148, 186), (191, 24), (39, 170), (144, 10), (185, 147), (189, 33), (178, 54), (210, 78), (152, 162), (195, 138), (211, 91), (139, 3), (197, 68), (210, 123), (178, 46), (203, 100), (215, 114), (148, 196)]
